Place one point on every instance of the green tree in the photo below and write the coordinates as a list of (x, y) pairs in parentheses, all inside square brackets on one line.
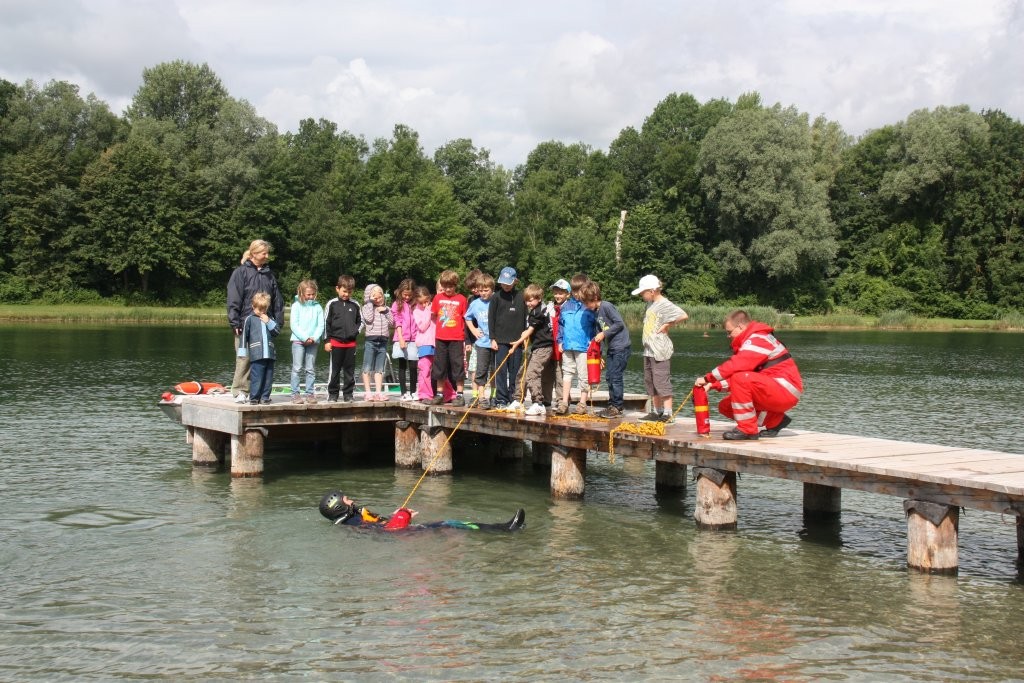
[(775, 235), (483, 192), (135, 226)]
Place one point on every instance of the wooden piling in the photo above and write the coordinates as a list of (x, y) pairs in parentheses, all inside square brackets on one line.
[(1020, 541), (822, 501), (932, 534), (669, 476), (436, 451), (568, 472), (715, 506), (207, 448), (247, 453), (407, 445)]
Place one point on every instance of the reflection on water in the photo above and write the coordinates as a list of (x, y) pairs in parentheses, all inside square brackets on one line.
[(122, 561)]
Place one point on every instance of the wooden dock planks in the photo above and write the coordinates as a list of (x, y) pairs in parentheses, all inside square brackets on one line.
[(984, 479)]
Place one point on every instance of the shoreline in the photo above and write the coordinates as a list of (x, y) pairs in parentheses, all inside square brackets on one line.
[(93, 314)]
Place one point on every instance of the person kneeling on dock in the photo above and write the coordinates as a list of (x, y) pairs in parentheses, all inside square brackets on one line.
[(761, 377)]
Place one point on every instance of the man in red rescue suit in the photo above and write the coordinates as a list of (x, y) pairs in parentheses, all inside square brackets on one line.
[(761, 377)]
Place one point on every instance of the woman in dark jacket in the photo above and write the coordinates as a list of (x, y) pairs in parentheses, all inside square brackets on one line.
[(253, 275)]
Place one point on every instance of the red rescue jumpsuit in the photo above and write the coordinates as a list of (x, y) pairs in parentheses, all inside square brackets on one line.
[(761, 377)]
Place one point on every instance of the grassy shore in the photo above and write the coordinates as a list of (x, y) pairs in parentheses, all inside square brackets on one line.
[(701, 317)]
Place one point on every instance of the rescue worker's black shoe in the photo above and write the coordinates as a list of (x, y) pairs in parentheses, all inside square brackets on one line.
[(774, 431), (735, 434)]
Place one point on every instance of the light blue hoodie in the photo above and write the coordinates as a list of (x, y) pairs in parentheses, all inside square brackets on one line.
[(306, 320)]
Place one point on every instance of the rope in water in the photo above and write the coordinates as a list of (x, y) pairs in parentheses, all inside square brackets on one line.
[(450, 435)]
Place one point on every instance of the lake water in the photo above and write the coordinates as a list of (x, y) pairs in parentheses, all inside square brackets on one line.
[(120, 562)]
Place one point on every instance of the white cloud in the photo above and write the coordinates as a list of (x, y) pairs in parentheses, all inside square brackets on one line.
[(509, 76)]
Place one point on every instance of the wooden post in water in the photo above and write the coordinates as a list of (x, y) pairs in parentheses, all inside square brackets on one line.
[(436, 451), (715, 506), (247, 453), (207, 448), (407, 445), (822, 501), (669, 476), (932, 533), (1020, 540), (568, 471)]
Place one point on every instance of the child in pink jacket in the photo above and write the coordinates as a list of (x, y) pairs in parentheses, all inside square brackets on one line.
[(424, 326)]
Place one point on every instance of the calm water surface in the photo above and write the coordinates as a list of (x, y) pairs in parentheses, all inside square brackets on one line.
[(122, 563)]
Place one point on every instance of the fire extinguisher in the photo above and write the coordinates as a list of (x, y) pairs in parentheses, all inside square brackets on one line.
[(700, 410), (594, 363)]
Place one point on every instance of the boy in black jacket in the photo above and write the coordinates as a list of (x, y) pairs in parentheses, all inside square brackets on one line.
[(341, 323)]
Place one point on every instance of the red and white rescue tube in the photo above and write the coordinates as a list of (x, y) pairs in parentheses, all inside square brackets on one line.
[(193, 388)]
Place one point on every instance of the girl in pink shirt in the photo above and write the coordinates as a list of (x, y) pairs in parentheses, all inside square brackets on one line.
[(424, 327), (404, 348)]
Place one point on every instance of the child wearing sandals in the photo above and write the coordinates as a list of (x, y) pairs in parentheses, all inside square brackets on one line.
[(377, 322)]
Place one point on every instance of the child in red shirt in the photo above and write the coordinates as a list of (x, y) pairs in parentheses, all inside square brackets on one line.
[(449, 310)]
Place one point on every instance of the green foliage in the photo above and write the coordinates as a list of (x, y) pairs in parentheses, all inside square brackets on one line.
[(730, 204), (773, 224)]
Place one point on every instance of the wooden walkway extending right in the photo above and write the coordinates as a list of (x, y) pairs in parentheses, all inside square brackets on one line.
[(934, 481)]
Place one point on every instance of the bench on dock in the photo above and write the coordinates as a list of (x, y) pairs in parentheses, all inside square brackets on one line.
[(934, 481)]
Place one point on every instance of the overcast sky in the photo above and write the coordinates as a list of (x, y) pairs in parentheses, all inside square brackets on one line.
[(509, 75)]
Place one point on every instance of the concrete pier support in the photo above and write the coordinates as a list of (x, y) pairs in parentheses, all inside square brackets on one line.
[(715, 506), (568, 472), (247, 453), (207, 448), (436, 451), (407, 445), (669, 476), (932, 534), (822, 501)]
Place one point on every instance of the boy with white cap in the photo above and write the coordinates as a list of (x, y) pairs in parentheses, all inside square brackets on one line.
[(661, 314)]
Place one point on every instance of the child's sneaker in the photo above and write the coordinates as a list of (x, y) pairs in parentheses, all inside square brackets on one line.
[(332, 399), (458, 401), (536, 409), (562, 409), (515, 405), (310, 398), (265, 401), (667, 418), (610, 412), (651, 417), (242, 398), (297, 398), (579, 409), (483, 404)]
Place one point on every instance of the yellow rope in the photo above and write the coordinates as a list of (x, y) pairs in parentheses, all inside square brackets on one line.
[(642, 428), (445, 444)]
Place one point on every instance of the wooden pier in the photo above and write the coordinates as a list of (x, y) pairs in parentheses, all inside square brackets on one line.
[(933, 481)]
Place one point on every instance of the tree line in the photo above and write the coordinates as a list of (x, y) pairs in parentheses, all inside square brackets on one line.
[(734, 203)]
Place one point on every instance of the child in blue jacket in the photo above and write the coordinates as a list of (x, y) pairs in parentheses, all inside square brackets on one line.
[(257, 342), (576, 328)]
